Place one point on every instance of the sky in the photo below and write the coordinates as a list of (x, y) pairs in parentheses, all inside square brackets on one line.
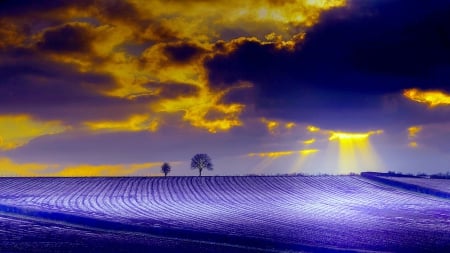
[(116, 88)]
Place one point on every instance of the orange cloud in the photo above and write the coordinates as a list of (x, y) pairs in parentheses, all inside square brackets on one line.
[(18, 130), (432, 97)]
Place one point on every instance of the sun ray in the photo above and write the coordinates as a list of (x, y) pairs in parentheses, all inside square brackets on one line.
[(355, 151)]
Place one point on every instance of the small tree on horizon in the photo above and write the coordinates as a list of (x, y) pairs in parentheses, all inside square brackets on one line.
[(200, 162), (165, 168)]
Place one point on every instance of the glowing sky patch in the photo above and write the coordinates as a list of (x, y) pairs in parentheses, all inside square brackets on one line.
[(272, 155), (289, 125), (18, 130), (12, 168), (413, 131), (313, 129), (302, 159), (355, 151), (82, 170), (196, 109), (413, 144), (134, 123), (271, 125), (352, 136), (309, 142), (278, 154), (431, 97)]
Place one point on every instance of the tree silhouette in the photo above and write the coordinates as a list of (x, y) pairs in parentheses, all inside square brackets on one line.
[(165, 168), (200, 162)]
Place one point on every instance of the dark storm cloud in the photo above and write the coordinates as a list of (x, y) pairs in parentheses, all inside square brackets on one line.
[(19, 8), (118, 10), (347, 63), (181, 53), (69, 38), (32, 83), (29, 77)]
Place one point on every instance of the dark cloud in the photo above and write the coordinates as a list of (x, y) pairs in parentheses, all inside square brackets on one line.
[(32, 83), (69, 38), (118, 10), (182, 53), (20, 8), (347, 64)]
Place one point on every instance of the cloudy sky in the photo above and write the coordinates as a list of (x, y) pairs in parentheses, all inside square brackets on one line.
[(111, 88)]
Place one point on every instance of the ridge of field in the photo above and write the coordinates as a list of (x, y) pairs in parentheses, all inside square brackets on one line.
[(349, 212), (436, 187), (432, 183), (19, 234)]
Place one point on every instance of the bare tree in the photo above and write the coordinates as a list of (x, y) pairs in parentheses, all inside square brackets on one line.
[(165, 168), (200, 162)]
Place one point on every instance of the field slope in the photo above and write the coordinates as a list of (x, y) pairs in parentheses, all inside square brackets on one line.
[(431, 186), (326, 213)]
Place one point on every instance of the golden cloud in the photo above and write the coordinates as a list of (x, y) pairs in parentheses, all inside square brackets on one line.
[(278, 154), (413, 144), (312, 129), (351, 135), (432, 97), (289, 125), (105, 170), (413, 131), (171, 40), (309, 142), (134, 123), (10, 34), (12, 168), (271, 125), (192, 39), (18, 130), (276, 127)]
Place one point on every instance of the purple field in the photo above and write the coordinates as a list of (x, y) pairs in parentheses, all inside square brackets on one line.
[(220, 214), (435, 184)]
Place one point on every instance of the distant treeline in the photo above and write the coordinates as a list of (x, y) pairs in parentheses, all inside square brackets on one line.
[(388, 174), (421, 175)]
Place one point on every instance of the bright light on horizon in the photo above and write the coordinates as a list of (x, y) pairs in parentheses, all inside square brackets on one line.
[(355, 151)]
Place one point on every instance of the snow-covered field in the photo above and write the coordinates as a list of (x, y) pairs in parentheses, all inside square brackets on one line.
[(436, 184), (299, 213)]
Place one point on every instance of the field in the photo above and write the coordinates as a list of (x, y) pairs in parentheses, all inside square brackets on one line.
[(435, 184), (220, 214)]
